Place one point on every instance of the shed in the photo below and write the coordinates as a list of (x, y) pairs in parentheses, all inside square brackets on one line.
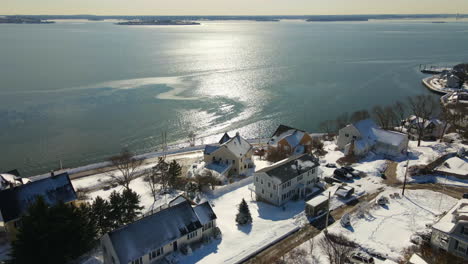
[(316, 206)]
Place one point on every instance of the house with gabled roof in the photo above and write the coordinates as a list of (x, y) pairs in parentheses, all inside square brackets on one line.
[(233, 156), (431, 128), (15, 201), (150, 238), (291, 141), (364, 136), (292, 177), (450, 233)]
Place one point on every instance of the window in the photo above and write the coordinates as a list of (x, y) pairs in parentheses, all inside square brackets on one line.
[(208, 226), (261, 181), (464, 230), (461, 247), (156, 253), (354, 137), (263, 192), (346, 135), (274, 186), (192, 235), (256, 178), (271, 195), (269, 184), (138, 261), (313, 170)]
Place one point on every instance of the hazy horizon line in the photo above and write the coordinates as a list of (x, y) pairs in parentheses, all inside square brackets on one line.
[(283, 15)]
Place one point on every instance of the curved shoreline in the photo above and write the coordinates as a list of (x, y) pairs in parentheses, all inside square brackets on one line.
[(430, 86)]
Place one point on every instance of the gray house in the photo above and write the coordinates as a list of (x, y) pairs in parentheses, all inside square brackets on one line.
[(280, 182), (150, 238), (450, 233), (432, 128)]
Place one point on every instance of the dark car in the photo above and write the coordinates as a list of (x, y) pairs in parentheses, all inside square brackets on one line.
[(330, 165), (465, 196), (351, 171), (348, 168), (342, 173)]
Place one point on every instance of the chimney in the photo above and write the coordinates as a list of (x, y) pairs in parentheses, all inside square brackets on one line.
[(298, 169)]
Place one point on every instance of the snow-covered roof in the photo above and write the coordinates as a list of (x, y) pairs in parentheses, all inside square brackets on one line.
[(344, 191), (154, 231), (458, 213), (414, 120), (205, 213), (290, 168), (15, 201), (317, 200), (292, 135), (389, 137), (455, 165), (371, 133), (416, 259), (238, 146), (210, 149), (220, 168)]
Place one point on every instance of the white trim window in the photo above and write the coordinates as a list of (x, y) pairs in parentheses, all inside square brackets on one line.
[(138, 261), (156, 253), (192, 235)]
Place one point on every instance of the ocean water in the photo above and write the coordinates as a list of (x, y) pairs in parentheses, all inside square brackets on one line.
[(79, 91)]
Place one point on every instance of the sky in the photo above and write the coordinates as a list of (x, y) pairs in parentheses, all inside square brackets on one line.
[(231, 7)]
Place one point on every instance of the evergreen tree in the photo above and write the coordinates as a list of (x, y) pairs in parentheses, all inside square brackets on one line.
[(175, 170), (131, 206), (124, 208), (53, 235), (100, 211), (243, 216)]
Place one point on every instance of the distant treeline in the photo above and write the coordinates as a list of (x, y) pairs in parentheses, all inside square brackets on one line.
[(253, 18)]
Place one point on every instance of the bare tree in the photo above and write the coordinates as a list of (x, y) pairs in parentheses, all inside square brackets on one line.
[(153, 183), (192, 137), (336, 247), (297, 256), (423, 107), (359, 115), (342, 120), (385, 116), (399, 109), (449, 118), (327, 127), (127, 166)]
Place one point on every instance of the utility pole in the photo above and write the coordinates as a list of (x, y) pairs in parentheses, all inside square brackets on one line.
[(406, 171), (328, 212)]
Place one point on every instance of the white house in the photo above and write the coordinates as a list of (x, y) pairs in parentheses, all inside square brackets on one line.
[(232, 156), (364, 136), (150, 238), (450, 233), (280, 182)]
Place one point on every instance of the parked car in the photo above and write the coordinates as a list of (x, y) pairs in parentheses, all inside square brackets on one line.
[(332, 180), (382, 201), (348, 168), (360, 258), (330, 165), (465, 196), (345, 220), (342, 173)]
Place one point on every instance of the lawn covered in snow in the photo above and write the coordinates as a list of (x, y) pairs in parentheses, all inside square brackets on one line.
[(269, 223), (387, 229)]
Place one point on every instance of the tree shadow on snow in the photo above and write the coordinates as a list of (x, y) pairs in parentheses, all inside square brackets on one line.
[(277, 213), (200, 251), (245, 228)]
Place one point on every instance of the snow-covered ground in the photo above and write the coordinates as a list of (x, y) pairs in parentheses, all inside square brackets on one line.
[(387, 230), (269, 223), (426, 153)]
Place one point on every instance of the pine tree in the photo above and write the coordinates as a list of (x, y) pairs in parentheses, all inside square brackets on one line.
[(100, 211), (131, 206), (243, 216), (175, 170), (54, 235), (116, 208)]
